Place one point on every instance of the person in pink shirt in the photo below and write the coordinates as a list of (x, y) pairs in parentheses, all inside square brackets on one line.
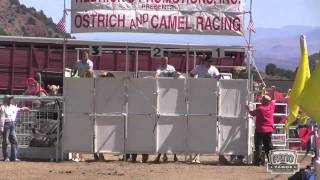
[(264, 128)]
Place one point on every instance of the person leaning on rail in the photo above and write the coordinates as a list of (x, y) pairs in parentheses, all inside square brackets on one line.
[(165, 70), (83, 66), (8, 113), (264, 128), (205, 69)]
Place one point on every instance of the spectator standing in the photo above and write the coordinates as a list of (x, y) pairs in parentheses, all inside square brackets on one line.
[(264, 128), (8, 113)]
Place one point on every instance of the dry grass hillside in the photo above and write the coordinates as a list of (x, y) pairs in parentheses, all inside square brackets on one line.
[(18, 20)]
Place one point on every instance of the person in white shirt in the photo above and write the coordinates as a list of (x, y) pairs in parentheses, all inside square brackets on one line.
[(165, 69), (83, 66), (205, 69), (8, 113)]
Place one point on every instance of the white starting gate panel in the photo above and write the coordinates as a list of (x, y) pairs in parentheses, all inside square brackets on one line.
[(203, 96), (202, 134), (79, 95), (233, 138), (172, 134), (171, 97), (109, 134), (142, 96), (78, 133), (109, 95), (78, 126), (141, 134), (233, 98)]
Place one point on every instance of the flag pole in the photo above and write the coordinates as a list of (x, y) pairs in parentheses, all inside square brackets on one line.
[(250, 76), (250, 98), (63, 84), (64, 38)]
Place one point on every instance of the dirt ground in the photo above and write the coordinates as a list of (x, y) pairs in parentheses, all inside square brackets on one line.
[(115, 169)]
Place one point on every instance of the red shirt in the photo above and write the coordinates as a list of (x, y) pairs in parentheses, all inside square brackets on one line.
[(264, 117), (277, 96)]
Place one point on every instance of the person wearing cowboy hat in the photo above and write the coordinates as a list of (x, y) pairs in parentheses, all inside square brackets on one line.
[(205, 69), (8, 113), (264, 128)]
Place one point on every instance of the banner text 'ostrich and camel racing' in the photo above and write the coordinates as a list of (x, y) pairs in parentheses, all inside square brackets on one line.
[(215, 17)]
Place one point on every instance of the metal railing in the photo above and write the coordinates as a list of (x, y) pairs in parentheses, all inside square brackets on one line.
[(41, 126)]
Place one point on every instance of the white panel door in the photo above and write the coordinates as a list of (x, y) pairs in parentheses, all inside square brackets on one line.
[(233, 98), (109, 95), (77, 133), (110, 134), (172, 134), (79, 95), (202, 134), (171, 97), (203, 96), (233, 138), (78, 126), (141, 134), (142, 96)]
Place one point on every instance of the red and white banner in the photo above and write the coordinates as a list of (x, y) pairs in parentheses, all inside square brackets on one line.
[(216, 17)]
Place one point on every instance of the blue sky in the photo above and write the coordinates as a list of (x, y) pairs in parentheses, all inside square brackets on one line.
[(267, 13)]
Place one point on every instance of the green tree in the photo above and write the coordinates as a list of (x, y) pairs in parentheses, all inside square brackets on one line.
[(271, 69)]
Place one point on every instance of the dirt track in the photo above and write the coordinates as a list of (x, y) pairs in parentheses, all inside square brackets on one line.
[(114, 169)]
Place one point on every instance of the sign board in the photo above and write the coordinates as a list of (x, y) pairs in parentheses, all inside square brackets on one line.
[(156, 52), (216, 17), (95, 50)]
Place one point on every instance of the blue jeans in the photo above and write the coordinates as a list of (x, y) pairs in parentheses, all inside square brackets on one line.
[(9, 134)]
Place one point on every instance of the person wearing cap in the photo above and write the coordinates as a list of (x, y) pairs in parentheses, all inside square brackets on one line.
[(205, 69), (264, 128), (165, 69), (83, 66), (8, 113)]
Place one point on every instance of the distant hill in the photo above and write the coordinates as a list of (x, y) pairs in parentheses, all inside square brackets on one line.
[(282, 46), (313, 59), (18, 20)]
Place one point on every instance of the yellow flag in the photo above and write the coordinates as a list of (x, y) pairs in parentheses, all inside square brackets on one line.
[(310, 97), (302, 77)]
